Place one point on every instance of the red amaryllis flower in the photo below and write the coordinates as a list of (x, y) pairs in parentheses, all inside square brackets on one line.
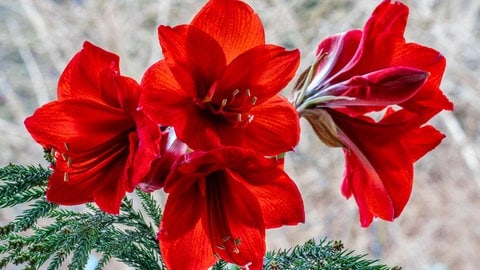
[(219, 82), (220, 203), (102, 145), (359, 74)]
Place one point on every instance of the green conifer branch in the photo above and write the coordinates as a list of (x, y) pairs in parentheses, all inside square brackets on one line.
[(322, 255), (19, 184), (152, 208), (57, 233)]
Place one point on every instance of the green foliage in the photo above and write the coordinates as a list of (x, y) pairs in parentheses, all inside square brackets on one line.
[(46, 235), (324, 255)]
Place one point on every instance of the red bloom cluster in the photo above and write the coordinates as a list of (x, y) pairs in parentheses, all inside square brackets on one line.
[(371, 93), (217, 91), (207, 124)]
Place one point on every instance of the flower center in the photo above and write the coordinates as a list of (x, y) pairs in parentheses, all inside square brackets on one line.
[(235, 108)]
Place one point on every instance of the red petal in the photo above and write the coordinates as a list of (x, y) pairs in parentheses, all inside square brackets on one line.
[(430, 60), (163, 96), (375, 90), (264, 70), (262, 132), (187, 48), (199, 163), (381, 33), (145, 146), (183, 241), (421, 141), (197, 128), (233, 24), (279, 197), (87, 72), (339, 50), (128, 93), (57, 123), (170, 150), (238, 238), (367, 178), (275, 127), (93, 183), (378, 174)]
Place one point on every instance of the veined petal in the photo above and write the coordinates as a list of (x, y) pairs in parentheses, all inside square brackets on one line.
[(366, 177), (382, 32), (421, 141), (236, 237), (162, 95), (188, 48), (275, 127), (264, 70), (94, 183), (280, 199), (183, 240), (233, 24), (378, 176), (59, 123), (86, 73), (430, 60)]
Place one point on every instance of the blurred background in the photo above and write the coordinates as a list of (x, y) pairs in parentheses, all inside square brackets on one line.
[(440, 227)]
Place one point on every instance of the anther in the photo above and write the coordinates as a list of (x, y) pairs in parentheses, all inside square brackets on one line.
[(64, 156), (67, 147), (237, 241), (235, 92), (216, 256), (250, 118), (224, 102), (226, 238), (221, 247), (236, 250), (239, 117), (254, 100), (69, 162), (248, 93), (65, 177)]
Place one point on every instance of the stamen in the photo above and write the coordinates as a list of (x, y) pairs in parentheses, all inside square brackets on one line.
[(239, 117), (248, 92), (222, 247), (224, 102), (254, 100), (65, 177), (226, 238), (216, 256), (250, 118), (69, 162), (235, 92), (66, 146), (236, 250), (64, 156), (237, 241)]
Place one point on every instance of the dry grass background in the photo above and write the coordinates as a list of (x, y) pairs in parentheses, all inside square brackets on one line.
[(440, 227)]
